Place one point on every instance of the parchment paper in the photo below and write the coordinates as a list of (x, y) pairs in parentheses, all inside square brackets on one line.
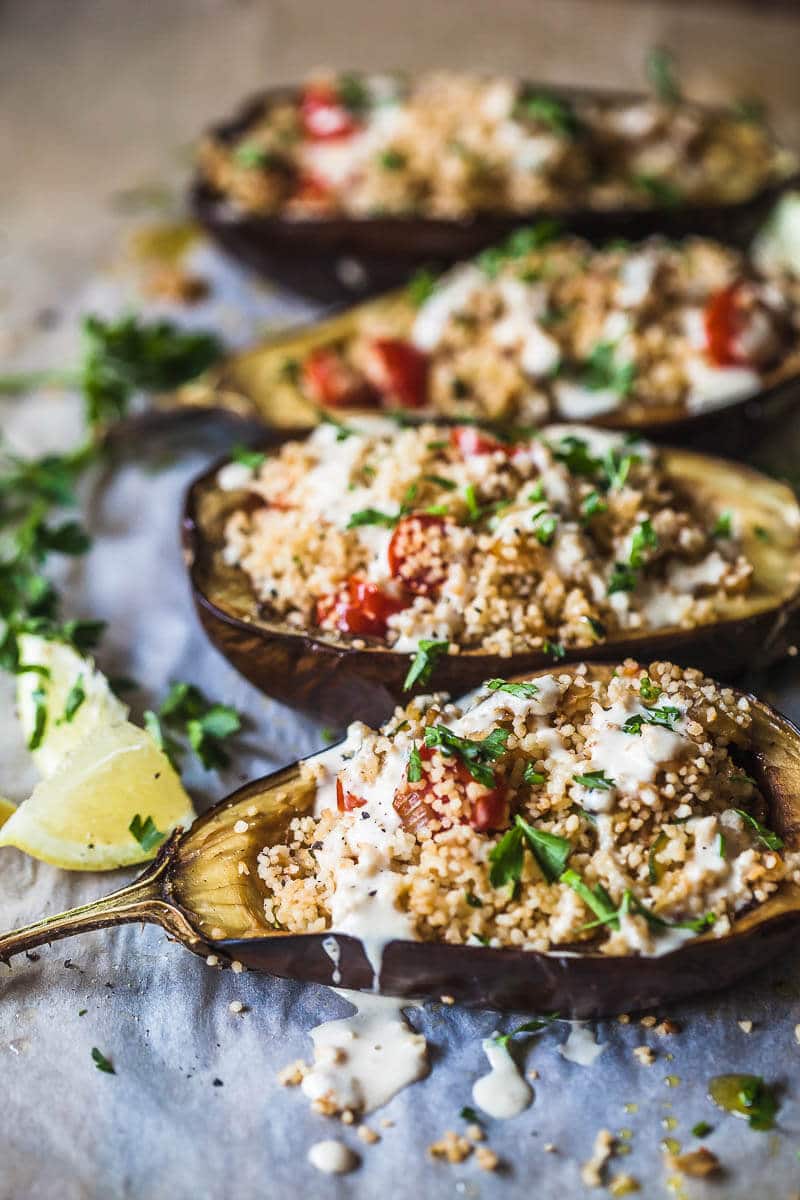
[(194, 1111)]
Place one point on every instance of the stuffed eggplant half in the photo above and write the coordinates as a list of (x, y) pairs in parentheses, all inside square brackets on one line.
[(588, 840), (661, 336), (374, 173), (359, 563)]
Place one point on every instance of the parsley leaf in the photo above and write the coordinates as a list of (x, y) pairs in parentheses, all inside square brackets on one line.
[(146, 833), (472, 900), (622, 579), (660, 68), (414, 772), (372, 516), (476, 755), (644, 538), (555, 112), (554, 649), (768, 839), (550, 851), (596, 779), (723, 525), (525, 689), (421, 287), (75, 699), (666, 717), (421, 669), (506, 859), (468, 1114), (248, 458), (39, 697), (592, 505), (101, 1062), (596, 899), (531, 776), (601, 371)]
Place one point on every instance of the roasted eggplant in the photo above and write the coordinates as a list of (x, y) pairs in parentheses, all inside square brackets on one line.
[(325, 675), (368, 358), (333, 257), (197, 893)]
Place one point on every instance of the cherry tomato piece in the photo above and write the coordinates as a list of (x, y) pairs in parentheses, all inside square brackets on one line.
[(324, 117), (359, 607), (346, 801), (489, 811), (330, 380), (411, 537), (724, 319), (399, 371), (469, 441)]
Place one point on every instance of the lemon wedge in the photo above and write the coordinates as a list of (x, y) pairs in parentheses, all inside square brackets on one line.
[(6, 809), (52, 698), (79, 817)]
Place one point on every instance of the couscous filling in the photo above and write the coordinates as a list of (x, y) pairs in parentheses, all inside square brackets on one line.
[(605, 810), (405, 536)]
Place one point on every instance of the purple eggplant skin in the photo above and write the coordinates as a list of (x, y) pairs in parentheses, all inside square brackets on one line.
[(337, 682), (333, 260), (580, 984)]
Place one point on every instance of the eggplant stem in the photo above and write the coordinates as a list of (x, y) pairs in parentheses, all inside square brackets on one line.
[(143, 900)]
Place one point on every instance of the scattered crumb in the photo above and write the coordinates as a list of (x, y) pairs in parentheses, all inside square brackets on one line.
[(237, 967), (533, 1073), (486, 1158), (624, 1019), (347, 1116), (326, 1107), (648, 1022), (368, 1135), (451, 1147), (797, 1034), (236, 1006), (387, 1122), (475, 1133), (550, 1148), (175, 285), (645, 1055), (592, 1171), (745, 1026), (292, 1074), (667, 1027), (698, 1163), (213, 961), (447, 999), (623, 1185)]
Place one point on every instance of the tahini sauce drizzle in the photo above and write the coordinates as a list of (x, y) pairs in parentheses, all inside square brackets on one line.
[(363, 1060), (503, 1093), (332, 1157)]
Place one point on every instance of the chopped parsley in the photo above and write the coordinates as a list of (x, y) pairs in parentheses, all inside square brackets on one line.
[(472, 900), (507, 857), (187, 712), (145, 833), (372, 516), (659, 190), (468, 1114), (475, 755), (544, 525), (761, 533), (768, 839), (723, 525), (526, 690), (439, 481), (553, 111), (248, 458), (660, 68), (531, 776), (39, 697), (623, 578), (101, 1062), (666, 717), (250, 154), (425, 660), (554, 649), (597, 627), (592, 505), (414, 772), (595, 780), (596, 899), (601, 371), (701, 1129), (644, 538), (520, 243), (75, 698), (392, 160), (420, 288), (353, 93)]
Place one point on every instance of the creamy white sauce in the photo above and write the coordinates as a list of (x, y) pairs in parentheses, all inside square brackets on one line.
[(578, 402), (688, 577), (496, 706), (363, 1060), (332, 1157), (581, 1047), (503, 1093), (451, 295), (636, 278), (234, 476), (631, 759), (519, 328), (713, 386), (331, 948)]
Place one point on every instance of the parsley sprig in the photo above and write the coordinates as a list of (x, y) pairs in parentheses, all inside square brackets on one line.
[(477, 756), (425, 660), (187, 713), (507, 857)]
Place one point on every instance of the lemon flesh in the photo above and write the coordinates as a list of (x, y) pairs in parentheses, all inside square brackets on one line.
[(67, 668), (79, 817), (6, 809)]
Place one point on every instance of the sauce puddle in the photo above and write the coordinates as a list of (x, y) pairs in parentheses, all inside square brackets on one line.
[(503, 1093)]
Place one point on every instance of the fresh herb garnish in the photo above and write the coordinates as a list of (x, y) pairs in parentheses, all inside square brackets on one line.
[(531, 776), (701, 1129), (544, 525), (392, 160), (596, 899), (592, 505), (372, 516), (526, 690), (601, 371), (472, 900), (644, 538), (660, 68), (439, 481), (187, 712), (623, 578), (468, 1114), (722, 525), (414, 771), (550, 851), (39, 697), (597, 627), (428, 654), (101, 1062), (248, 458), (648, 690), (75, 698), (520, 243), (768, 839), (420, 288), (556, 113), (666, 717), (353, 92), (659, 190), (476, 755), (145, 833), (595, 779), (554, 649)]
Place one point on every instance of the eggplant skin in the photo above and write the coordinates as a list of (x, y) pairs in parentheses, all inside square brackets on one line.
[(334, 259), (337, 682), (578, 985)]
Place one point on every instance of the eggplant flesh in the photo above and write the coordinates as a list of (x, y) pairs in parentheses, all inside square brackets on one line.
[(259, 387), (339, 258), (196, 891), (324, 674)]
